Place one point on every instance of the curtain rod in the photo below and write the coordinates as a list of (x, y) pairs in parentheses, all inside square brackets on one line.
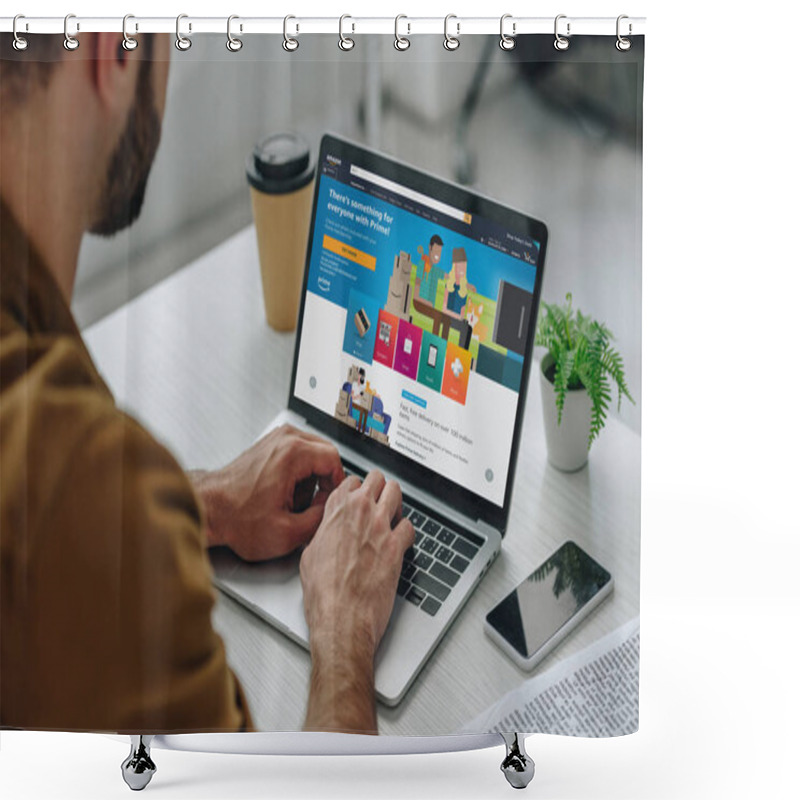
[(452, 26)]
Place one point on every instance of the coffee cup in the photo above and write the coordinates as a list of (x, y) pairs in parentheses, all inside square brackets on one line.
[(281, 177)]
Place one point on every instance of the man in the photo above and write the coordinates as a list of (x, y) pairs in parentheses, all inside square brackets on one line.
[(428, 279), (105, 586), (357, 392)]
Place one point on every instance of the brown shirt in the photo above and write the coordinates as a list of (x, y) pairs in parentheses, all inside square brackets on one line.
[(105, 584)]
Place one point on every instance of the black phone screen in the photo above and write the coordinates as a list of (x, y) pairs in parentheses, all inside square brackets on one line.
[(548, 598)]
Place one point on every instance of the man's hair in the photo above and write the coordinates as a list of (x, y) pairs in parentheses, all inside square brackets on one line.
[(436, 239), (23, 72), (128, 168)]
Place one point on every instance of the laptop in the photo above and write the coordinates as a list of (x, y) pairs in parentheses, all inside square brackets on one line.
[(413, 350)]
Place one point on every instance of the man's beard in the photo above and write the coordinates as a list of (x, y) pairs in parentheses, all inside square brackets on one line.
[(129, 167)]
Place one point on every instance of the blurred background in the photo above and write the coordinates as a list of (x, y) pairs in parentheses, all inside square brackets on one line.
[(556, 135)]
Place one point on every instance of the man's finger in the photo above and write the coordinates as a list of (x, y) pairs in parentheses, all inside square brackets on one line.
[(320, 498), (327, 483), (302, 526), (373, 484), (319, 458), (312, 438), (404, 530), (303, 494), (308, 436), (349, 484), (391, 501)]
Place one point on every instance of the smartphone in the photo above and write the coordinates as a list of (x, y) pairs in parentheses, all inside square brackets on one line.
[(549, 604)]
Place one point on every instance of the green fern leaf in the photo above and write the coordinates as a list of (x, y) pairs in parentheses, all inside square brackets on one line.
[(584, 358), (562, 378)]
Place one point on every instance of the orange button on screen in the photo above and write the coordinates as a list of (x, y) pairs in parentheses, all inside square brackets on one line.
[(349, 252)]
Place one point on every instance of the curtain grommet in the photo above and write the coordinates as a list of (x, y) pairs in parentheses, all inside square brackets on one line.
[(233, 44), (507, 42), (561, 43), (450, 42), (346, 43), (401, 43), (290, 43), (128, 42), (71, 43), (182, 43), (20, 43), (623, 44)]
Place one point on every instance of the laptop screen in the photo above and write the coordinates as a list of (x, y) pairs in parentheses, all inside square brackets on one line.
[(417, 317)]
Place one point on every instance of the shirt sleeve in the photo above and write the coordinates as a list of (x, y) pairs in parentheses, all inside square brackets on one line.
[(118, 595)]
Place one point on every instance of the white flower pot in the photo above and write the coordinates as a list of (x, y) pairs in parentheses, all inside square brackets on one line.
[(567, 443)]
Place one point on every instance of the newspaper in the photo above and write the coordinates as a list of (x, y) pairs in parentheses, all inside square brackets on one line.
[(593, 693)]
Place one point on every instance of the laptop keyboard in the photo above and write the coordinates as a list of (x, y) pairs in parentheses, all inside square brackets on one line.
[(433, 565)]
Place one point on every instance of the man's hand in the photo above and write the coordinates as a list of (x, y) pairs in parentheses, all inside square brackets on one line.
[(350, 573), (271, 499)]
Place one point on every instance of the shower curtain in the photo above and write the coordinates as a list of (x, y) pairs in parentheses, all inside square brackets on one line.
[(151, 195)]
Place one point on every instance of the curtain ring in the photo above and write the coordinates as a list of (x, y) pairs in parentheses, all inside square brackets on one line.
[(233, 44), (128, 42), (20, 43), (70, 42), (290, 44), (507, 42), (401, 42), (345, 42), (451, 42), (560, 42), (623, 44), (182, 42)]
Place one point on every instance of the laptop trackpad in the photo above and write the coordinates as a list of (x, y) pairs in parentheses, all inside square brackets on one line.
[(271, 589)]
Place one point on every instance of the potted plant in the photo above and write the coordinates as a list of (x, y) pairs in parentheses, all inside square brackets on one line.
[(576, 377)]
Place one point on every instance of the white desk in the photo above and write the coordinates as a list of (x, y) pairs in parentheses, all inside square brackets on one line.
[(195, 361)]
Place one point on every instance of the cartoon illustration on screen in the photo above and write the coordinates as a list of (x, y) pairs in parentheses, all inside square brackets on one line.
[(385, 333), (456, 288), (362, 322), (426, 288), (361, 407), (455, 298), (357, 397), (398, 298), (435, 329), (432, 258), (427, 281), (473, 317)]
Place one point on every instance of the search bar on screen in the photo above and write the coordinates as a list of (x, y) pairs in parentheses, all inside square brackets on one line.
[(404, 191)]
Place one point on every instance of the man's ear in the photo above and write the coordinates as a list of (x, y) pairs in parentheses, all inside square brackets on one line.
[(115, 74)]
